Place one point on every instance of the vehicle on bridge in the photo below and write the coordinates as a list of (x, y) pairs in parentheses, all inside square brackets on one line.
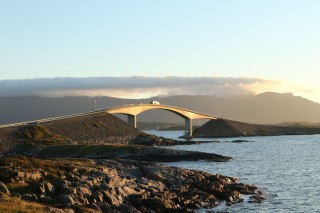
[(155, 102)]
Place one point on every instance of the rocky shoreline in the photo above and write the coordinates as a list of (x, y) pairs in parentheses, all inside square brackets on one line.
[(83, 185)]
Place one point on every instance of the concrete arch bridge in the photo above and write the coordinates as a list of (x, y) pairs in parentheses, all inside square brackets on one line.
[(132, 110)]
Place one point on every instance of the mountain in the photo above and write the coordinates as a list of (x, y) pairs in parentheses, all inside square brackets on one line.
[(264, 108)]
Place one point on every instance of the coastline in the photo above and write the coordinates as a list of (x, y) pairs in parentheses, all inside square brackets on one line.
[(78, 185)]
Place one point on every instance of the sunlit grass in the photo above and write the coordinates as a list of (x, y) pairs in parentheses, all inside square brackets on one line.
[(36, 135), (16, 205)]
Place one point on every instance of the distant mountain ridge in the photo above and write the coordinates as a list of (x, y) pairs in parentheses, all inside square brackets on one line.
[(265, 108)]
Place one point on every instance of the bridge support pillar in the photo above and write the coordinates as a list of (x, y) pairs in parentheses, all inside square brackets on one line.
[(188, 127), (132, 120)]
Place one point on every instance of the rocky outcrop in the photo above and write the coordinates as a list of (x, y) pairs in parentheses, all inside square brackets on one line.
[(228, 128), (118, 185), (152, 140)]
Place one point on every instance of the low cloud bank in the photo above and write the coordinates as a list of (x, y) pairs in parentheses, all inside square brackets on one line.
[(138, 87)]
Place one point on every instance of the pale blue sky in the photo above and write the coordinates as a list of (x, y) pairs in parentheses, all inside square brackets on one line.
[(273, 39)]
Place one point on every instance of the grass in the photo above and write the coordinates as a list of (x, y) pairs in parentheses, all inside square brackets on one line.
[(98, 123), (19, 188), (36, 135), (16, 205)]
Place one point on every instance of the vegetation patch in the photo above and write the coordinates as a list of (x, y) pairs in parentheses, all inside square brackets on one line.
[(39, 135), (19, 188), (98, 123), (16, 205)]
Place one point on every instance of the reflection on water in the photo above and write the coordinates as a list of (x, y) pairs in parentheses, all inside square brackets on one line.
[(287, 168)]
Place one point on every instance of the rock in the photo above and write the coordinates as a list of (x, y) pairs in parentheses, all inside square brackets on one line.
[(155, 176), (49, 188), (243, 188), (30, 197), (112, 191), (258, 198), (98, 196), (4, 189), (105, 207), (54, 210), (44, 199), (241, 141), (110, 199), (127, 208), (33, 175), (44, 187), (83, 191), (94, 206), (128, 191), (83, 200), (39, 188), (20, 174), (66, 200), (153, 203), (62, 186), (68, 211), (57, 210)]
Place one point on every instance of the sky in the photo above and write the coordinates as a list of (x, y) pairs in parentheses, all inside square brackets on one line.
[(274, 41)]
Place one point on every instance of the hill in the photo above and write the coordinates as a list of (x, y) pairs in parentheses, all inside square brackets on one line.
[(229, 128)]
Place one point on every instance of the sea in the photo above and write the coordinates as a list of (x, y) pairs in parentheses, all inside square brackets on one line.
[(285, 168)]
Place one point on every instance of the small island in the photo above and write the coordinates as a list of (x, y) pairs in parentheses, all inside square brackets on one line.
[(228, 128)]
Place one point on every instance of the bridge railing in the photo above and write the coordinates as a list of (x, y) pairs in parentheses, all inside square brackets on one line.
[(51, 119)]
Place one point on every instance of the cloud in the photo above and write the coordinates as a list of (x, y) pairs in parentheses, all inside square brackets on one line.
[(139, 87)]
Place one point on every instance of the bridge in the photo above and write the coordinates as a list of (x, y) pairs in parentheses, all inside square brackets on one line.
[(132, 110)]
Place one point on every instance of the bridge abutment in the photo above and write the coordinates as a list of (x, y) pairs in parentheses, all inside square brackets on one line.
[(132, 120)]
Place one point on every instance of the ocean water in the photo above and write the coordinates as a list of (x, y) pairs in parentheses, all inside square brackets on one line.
[(286, 168)]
